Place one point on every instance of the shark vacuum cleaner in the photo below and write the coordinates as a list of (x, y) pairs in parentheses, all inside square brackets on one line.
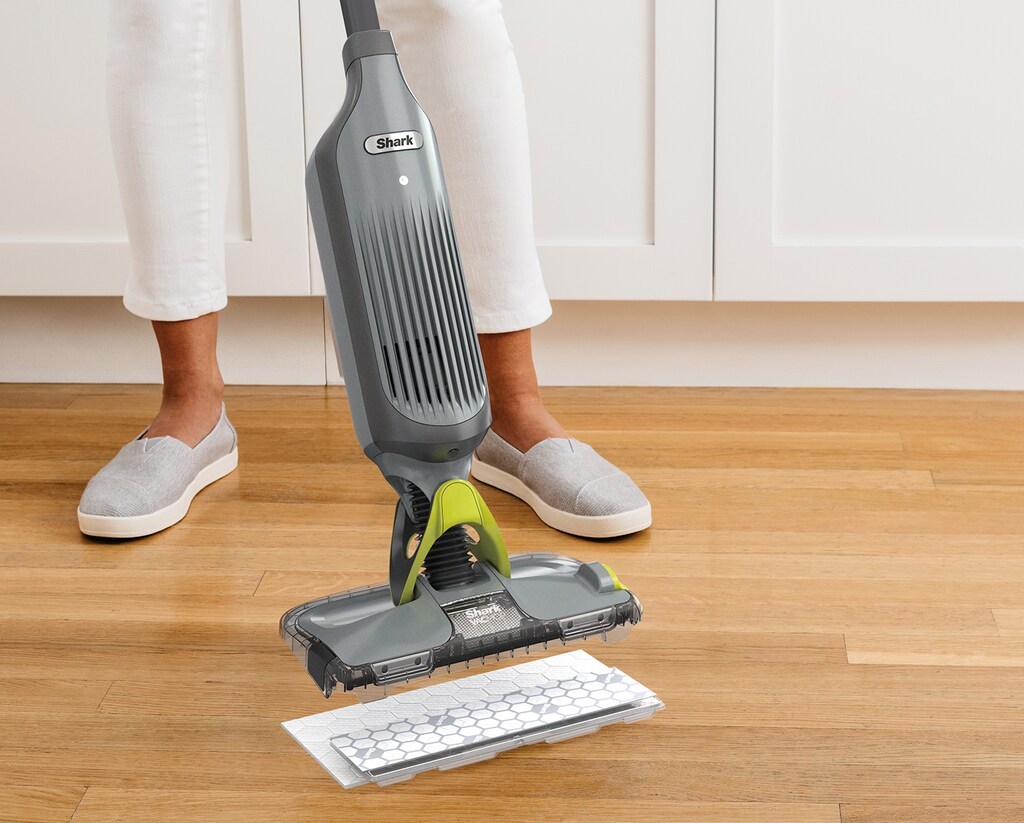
[(416, 385)]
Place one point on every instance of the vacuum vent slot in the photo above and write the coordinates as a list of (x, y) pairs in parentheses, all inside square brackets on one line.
[(423, 352), (429, 357)]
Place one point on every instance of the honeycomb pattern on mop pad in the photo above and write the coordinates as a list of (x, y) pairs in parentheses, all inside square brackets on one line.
[(563, 678), (548, 706)]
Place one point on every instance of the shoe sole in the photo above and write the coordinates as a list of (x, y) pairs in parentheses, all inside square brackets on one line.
[(600, 526), (95, 525)]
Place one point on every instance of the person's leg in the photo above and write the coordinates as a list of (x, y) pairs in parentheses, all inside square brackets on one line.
[(165, 103), (193, 387), (519, 413), (166, 112), (459, 61)]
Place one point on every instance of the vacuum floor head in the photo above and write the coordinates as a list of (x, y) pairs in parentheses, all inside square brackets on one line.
[(361, 641)]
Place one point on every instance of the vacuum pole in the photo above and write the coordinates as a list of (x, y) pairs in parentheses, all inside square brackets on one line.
[(360, 15)]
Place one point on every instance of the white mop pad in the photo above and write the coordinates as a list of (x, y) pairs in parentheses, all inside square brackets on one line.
[(452, 724)]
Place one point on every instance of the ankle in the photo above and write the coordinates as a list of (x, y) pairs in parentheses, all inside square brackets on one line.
[(188, 414), (525, 422), (192, 389)]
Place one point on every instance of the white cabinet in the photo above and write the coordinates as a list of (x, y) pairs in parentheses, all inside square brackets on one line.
[(620, 98), (870, 150), (824, 150), (61, 228)]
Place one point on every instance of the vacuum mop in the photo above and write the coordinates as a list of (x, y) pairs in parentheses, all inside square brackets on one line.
[(416, 386)]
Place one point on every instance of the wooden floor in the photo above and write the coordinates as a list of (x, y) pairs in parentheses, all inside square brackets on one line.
[(834, 593)]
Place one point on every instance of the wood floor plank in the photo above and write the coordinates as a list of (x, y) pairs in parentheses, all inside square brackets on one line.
[(302, 585), (23, 694), (953, 813), (39, 804), (142, 806), (981, 441), (32, 399), (684, 480), (143, 656), (537, 779), (867, 593), (68, 583), (932, 650), (1010, 622)]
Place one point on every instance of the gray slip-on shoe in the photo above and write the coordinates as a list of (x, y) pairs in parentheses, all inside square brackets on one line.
[(150, 484), (569, 485)]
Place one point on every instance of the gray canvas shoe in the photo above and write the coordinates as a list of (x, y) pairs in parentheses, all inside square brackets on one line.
[(150, 484), (569, 485)]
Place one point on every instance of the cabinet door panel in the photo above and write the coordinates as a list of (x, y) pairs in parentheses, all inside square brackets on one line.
[(620, 98), (870, 150), (61, 226)]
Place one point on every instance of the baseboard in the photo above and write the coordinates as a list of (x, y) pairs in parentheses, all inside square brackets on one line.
[(263, 341)]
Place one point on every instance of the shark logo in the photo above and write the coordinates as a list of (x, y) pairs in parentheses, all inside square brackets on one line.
[(394, 141), (476, 616), (493, 613)]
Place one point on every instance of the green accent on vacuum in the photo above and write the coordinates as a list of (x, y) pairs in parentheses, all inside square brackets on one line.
[(456, 504)]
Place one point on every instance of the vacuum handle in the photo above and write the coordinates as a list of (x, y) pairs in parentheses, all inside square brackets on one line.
[(360, 15)]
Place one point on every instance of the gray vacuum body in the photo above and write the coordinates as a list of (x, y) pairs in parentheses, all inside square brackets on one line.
[(418, 394), (395, 288)]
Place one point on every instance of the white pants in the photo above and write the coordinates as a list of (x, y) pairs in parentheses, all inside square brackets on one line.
[(165, 95)]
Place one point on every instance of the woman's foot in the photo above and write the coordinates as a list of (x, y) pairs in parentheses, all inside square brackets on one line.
[(527, 453), (524, 421), (151, 482), (569, 485)]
